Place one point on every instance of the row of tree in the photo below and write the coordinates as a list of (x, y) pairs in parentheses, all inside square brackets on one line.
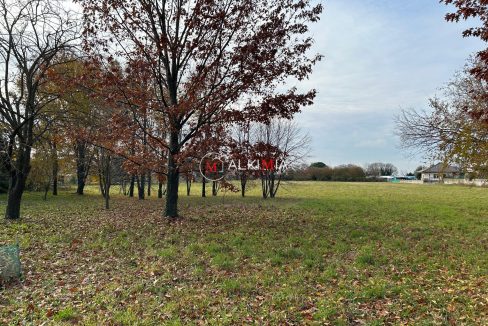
[(319, 171), (149, 86), (281, 139)]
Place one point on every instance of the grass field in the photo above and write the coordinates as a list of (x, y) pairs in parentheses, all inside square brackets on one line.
[(322, 253)]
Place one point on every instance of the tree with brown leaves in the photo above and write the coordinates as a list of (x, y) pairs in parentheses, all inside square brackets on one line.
[(205, 61), (466, 9)]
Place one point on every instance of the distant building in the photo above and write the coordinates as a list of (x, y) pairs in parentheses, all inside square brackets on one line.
[(438, 172), (387, 178), (406, 177)]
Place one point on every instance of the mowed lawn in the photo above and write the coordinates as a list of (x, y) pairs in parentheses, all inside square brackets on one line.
[(321, 253)]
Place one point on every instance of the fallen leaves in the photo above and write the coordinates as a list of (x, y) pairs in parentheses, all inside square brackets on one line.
[(278, 265)]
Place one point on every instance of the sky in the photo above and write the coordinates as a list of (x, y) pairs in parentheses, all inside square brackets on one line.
[(380, 56)]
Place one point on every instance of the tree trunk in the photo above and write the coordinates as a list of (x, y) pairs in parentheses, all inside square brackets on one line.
[(272, 186), (55, 180), (149, 184), (55, 176), (243, 185), (131, 186), (141, 185), (46, 189), (105, 175), (204, 186), (107, 184), (55, 168), (171, 209), (100, 183), (265, 185), (188, 185), (276, 186), (160, 189), (82, 166), (15, 192), (107, 199), (123, 187), (17, 179), (215, 189), (81, 185)]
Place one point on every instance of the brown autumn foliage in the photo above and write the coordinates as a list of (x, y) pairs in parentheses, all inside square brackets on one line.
[(466, 9), (204, 62)]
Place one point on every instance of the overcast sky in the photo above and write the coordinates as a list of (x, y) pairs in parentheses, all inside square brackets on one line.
[(380, 56)]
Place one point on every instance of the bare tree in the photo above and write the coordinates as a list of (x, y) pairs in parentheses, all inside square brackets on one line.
[(379, 169), (448, 132), (422, 131), (284, 141), (33, 35), (241, 149)]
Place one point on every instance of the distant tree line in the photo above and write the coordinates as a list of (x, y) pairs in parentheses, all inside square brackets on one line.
[(319, 171)]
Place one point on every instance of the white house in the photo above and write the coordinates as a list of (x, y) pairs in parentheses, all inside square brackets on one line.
[(438, 172)]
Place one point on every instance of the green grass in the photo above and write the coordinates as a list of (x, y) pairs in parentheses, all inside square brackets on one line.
[(321, 253), (65, 314)]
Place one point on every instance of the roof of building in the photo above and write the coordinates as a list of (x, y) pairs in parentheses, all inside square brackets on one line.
[(441, 168)]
